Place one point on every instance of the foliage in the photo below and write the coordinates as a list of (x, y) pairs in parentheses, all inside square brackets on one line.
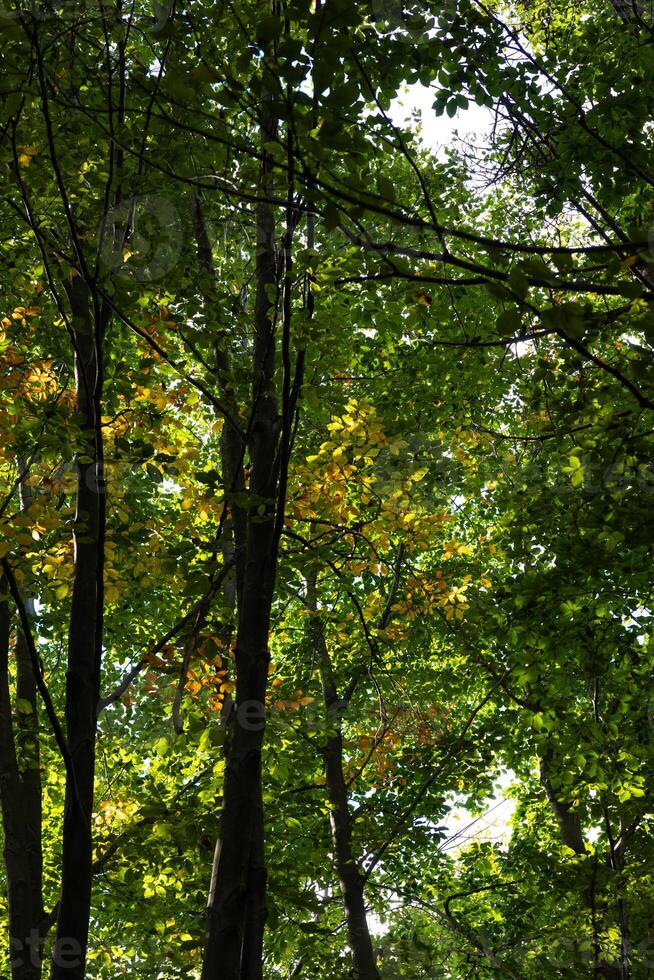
[(461, 351)]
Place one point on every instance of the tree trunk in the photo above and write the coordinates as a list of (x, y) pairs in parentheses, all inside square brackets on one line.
[(350, 879), (347, 867), (566, 817), (232, 879), (232, 446), (84, 650), (21, 865), (236, 910), (27, 738), (572, 837), (256, 912)]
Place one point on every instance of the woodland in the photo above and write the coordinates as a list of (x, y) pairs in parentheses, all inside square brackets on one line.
[(326, 490)]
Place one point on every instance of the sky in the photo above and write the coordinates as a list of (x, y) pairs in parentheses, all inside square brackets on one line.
[(438, 132)]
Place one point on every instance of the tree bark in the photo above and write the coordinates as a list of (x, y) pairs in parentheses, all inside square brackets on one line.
[(571, 835), (236, 910), (566, 817), (21, 866), (256, 912), (347, 867), (84, 648), (27, 738)]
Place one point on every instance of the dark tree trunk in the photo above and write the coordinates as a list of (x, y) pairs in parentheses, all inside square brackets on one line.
[(236, 911), (27, 738), (84, 651), (22, 868), (256, 911), (347, 867), (232, 876)]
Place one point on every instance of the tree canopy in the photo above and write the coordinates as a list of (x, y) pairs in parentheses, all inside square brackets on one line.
[(326, 522)]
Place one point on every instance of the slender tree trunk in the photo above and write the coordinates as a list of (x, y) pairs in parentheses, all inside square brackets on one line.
[(617, 863), (27, 741), (347, 867), (27, 736), (232, 879), (232, 447), (84, 650), (236, 910), (21, 866), (234, 550)]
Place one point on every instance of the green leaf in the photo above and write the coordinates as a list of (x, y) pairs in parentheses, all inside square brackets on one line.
[(509, 323)]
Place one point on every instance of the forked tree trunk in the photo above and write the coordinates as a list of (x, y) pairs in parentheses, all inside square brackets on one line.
[(236, 910)]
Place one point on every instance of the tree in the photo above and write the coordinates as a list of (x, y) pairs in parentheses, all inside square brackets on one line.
[(309, 439)]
